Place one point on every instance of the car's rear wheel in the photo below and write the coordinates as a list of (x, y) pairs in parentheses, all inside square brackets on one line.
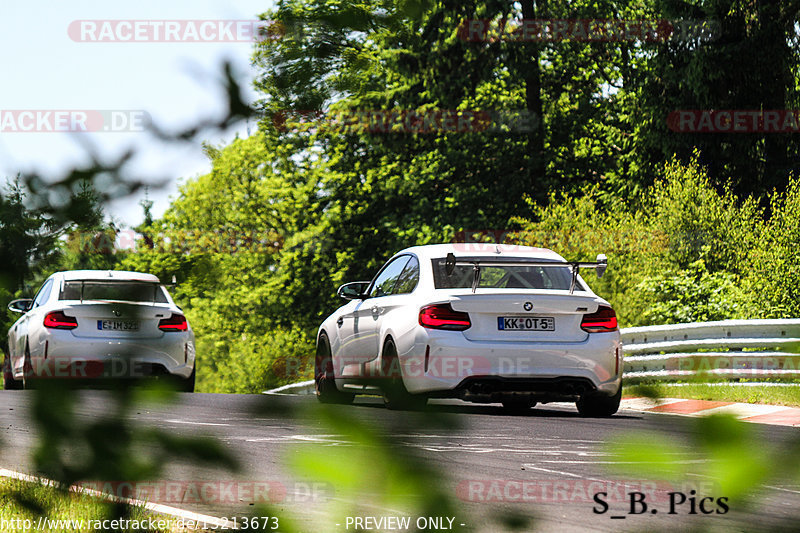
[(28, 381), (599, 405), (187, 384), (324, 383), (9, 383), (395, 394), (518, 405)]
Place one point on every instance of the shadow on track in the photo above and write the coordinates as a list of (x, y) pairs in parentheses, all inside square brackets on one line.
[(539, 411)]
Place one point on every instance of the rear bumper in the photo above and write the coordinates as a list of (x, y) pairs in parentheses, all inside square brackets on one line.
[(61, 355), (494, 389), (446, 364)]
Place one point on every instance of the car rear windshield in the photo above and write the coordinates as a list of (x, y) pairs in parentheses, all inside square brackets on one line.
[(505, 277), (118, 291)]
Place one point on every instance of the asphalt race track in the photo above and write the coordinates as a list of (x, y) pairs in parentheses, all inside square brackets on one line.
[(546, 464)]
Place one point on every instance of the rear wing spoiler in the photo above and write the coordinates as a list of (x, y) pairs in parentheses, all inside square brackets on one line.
[(451, 261)]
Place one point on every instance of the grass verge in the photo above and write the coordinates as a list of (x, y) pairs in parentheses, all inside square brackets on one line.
[(24, 506), (723, 392)]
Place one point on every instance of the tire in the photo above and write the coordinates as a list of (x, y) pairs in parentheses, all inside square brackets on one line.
[(395, 394), (599, 405), (518, 406), (9, 383), (28, 382), (324, 382), (187, 384)]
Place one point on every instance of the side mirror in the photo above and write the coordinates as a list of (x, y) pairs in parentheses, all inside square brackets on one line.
[(603, 261), (22, 305), (354, 290)]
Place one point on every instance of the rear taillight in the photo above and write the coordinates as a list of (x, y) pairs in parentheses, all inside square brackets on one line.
[(58, 320), (442, 316), (174, 323), (604, 319)]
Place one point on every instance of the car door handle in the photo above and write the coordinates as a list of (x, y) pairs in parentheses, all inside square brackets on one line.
[(340, 321)]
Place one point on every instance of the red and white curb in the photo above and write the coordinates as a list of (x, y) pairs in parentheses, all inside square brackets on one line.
[(777, 415)]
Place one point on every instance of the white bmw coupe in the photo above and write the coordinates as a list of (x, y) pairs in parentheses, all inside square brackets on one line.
[(483, 323), (95, 324)]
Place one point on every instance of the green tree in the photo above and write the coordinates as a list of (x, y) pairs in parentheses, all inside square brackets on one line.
[(682, 253), (750, 63), (27, 237), (90, 240), (773, 264), (376, 188), (221, 239)]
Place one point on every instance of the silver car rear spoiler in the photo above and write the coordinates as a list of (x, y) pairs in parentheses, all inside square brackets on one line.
[(451, 261)]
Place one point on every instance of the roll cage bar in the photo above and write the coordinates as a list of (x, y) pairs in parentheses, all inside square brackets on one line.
[(452, 261)]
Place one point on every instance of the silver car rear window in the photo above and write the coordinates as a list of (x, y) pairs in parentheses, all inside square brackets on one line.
[(117, 291), (505, 277)]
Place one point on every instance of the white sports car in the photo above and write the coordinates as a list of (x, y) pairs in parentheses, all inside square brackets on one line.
[(87, 324), (483, 323)]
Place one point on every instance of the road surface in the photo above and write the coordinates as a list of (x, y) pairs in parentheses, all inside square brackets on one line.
[(546, 465)]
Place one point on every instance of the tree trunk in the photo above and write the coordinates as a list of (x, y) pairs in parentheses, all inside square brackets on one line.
[(531, 71)]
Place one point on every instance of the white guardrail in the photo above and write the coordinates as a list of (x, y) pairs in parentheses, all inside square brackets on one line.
[(728, 349)]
